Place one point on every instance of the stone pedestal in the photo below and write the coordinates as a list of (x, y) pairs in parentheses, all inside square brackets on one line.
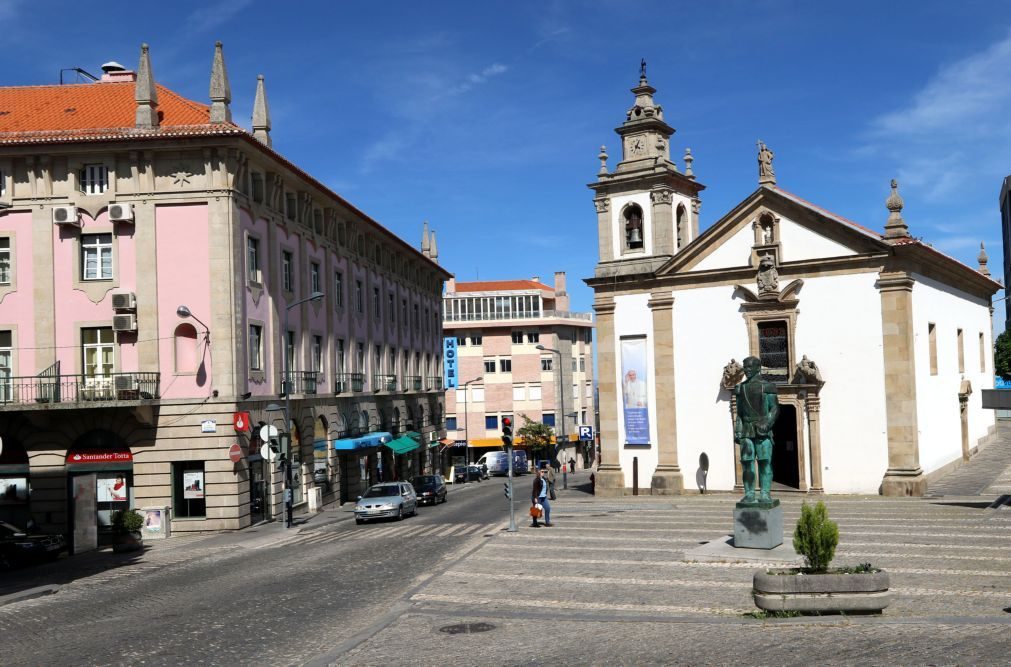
[(904, 483), (667, 482), (609, 481), (758, 525)]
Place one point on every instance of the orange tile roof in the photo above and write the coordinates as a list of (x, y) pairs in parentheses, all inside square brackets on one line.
[(93, 111), (502, 286)]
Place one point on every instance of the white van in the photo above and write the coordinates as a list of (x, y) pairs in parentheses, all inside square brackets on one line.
[(498, 462)]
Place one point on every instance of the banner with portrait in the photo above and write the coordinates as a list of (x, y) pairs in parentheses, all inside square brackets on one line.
[(635, 391)]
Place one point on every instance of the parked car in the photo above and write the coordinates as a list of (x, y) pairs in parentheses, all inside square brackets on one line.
[(386, 500), (468, 473), (18, 546), (431, 489)]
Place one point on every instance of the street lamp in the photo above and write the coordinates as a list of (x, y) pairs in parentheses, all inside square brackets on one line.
[(184, 312), (466, 417), (561, 398), (286, 387)]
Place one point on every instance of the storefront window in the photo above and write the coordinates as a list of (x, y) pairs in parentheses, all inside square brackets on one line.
[(188, 489)]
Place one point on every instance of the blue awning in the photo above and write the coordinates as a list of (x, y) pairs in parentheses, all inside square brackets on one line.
[(364, 442)]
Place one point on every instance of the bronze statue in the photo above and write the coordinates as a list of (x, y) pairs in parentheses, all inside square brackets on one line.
[(757, 410)]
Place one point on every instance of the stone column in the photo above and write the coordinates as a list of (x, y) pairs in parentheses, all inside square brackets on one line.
[(610, 479), (814, 435), (963, 412), (667, 478), (904, 476)]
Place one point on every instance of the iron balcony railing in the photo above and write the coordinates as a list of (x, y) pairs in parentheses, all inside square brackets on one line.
[(348, 383), (384, 382), (299, 382), (518, 315), (79, 388), (412, 382), (434, 384)]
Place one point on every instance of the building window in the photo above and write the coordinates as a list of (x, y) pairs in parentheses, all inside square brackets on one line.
[(417, 322), (94, 179), (547, 363), (255, 347), (475, 340), (340, 356), (982, 353), (773, 350), (505, 365), (3, 183), (391, 308), (376, 305), (338, 289), (478, 394), (461, 341), (6, 365), (360, 358), (582, 364), (575, 365), (377, 356), (5, 261), (533, 337), (932, 342), (403, 312), (424, 320), (317, 353), (286, 270), (489, 365), (314, 278), (186, 347), (188, 489), (519, 393), (961, 351), (575, 390), (359, 297), (98, 352), (535, 392), (490, 422), (450, 423), (96, 256), (517, 337), (253, 259), (548, 419), (289, 351)]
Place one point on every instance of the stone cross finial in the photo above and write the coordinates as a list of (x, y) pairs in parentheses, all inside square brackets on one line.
[(145, 93), (766, 174), (983, 259), (689, 160), (642, 69), (221, 92), (603, 161), (426, 244), (261, 113), (896, 227)]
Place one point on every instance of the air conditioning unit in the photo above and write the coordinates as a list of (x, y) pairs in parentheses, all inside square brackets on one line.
[(126, 383), (121, 212), (66, 215), (124, 323), (124, 301)]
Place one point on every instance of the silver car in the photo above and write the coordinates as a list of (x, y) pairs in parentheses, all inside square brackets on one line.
[(389, 499)]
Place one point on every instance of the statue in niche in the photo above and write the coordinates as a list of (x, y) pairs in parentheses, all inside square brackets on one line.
[(757, 411), (732, 374), (808, 372), (766, 233), (768, 276)]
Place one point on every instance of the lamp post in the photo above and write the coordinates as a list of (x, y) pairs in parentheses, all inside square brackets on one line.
[(286, 387), (466, 420), (561, 399)]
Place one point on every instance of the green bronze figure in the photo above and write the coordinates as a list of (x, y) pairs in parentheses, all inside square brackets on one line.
[(757, 410)]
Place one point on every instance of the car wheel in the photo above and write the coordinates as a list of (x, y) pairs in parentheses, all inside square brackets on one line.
[(359, 521)]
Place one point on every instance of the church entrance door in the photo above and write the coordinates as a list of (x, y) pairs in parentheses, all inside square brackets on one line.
[(785, 466)]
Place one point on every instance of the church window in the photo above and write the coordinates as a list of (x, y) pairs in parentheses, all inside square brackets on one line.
[(932, 340), (633, 227), (682, 237), (961, 352), (773, 350), (982, 353)]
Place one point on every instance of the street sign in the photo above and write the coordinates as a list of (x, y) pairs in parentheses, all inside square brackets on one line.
[(240, 420), (586, 433), (268, 433), (268, 452), (235, 453)]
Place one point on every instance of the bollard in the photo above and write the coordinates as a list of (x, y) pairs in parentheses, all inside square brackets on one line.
[(635, 476)]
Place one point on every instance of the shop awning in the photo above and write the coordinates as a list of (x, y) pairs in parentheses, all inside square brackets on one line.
[(402, 445), (364, 442)]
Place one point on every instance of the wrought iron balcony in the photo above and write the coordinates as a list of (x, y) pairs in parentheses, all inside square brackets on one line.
[(434, 384), (66, 389), (384, 382), (299, 382), (349, 383), (412, 382)]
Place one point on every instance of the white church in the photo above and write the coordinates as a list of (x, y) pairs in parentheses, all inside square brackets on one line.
[(878, 344)]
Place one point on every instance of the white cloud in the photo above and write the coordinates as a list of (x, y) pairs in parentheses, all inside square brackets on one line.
[(214, 14)]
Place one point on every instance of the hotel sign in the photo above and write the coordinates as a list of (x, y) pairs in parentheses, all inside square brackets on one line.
[(449, 362)]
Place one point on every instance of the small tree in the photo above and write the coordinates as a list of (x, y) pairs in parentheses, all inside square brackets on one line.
[(536, 436), (1002, 355), (815, 537), (127, 521)]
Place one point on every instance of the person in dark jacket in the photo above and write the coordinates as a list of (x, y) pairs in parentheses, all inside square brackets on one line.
[(539, 494)]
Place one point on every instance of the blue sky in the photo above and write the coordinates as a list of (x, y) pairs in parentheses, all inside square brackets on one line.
[(486, 118)]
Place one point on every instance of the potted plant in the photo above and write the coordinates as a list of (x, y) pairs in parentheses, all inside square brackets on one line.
[(126, 525), (817, 588)]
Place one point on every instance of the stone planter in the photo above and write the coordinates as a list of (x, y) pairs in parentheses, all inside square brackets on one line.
[(789, 590), (126, 542)]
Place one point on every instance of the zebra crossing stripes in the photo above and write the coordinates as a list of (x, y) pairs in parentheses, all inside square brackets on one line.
[(398, 531)]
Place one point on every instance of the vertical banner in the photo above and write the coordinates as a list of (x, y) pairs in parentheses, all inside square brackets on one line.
[(449, 362), (634, 392)]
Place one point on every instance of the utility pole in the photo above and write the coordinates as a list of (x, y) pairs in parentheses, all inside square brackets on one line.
[(507, 444)]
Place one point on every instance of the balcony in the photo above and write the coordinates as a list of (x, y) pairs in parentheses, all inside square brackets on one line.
[(412, 382), (299, 382), (434, 384), (519, 315), (349, 383), (384, 382), (72, 389)]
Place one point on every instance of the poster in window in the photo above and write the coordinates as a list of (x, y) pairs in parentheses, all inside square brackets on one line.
[(193, 484), (13, 490), (112, 489), (634, 391)]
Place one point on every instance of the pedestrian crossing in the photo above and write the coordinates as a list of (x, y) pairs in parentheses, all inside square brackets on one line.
[(400, 530)]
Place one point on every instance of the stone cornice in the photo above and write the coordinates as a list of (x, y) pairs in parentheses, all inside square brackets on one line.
[(895, 281), (661, 301)]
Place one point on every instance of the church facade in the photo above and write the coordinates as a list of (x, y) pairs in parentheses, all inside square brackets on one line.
[(877, 343)]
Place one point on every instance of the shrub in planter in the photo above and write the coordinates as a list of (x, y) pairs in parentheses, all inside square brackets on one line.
[(127, 524), (815, 537)]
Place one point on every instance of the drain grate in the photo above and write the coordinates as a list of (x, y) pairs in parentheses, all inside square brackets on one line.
[(466, 628)]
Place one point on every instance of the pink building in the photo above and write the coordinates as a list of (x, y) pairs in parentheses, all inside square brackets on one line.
[(151, 252), (502, 372)]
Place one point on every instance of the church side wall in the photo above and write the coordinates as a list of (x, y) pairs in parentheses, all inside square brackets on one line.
[(632, 317), (839, 328), (708, 331), (940, 434)]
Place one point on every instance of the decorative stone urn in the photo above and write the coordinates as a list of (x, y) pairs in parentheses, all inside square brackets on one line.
[(794, 589)]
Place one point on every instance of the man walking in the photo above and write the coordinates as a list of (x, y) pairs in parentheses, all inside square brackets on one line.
[(539, 494)]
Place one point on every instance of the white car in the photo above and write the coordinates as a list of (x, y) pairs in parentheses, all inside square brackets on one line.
[(386, 500)]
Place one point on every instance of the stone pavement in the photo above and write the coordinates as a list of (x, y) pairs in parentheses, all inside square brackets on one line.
[(986, 473)]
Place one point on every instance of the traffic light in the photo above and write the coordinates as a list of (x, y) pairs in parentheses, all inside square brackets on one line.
[(507, 432), (508, 491)]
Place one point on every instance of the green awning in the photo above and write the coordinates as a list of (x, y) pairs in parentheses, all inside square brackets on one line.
[(402, 445), (413, 435)]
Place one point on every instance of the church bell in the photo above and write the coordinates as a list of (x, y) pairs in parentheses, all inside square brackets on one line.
[(634, 236)]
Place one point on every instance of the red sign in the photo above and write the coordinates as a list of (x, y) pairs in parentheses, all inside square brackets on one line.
[(100, 456), (241, 422), (235, 453)]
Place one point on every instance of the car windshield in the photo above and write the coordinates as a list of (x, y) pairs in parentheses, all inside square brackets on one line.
[(382, 491), (424, 479)]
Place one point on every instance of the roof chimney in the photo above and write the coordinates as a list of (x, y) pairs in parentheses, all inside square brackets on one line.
[(221, 92), (112, 71), (145, 93)]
